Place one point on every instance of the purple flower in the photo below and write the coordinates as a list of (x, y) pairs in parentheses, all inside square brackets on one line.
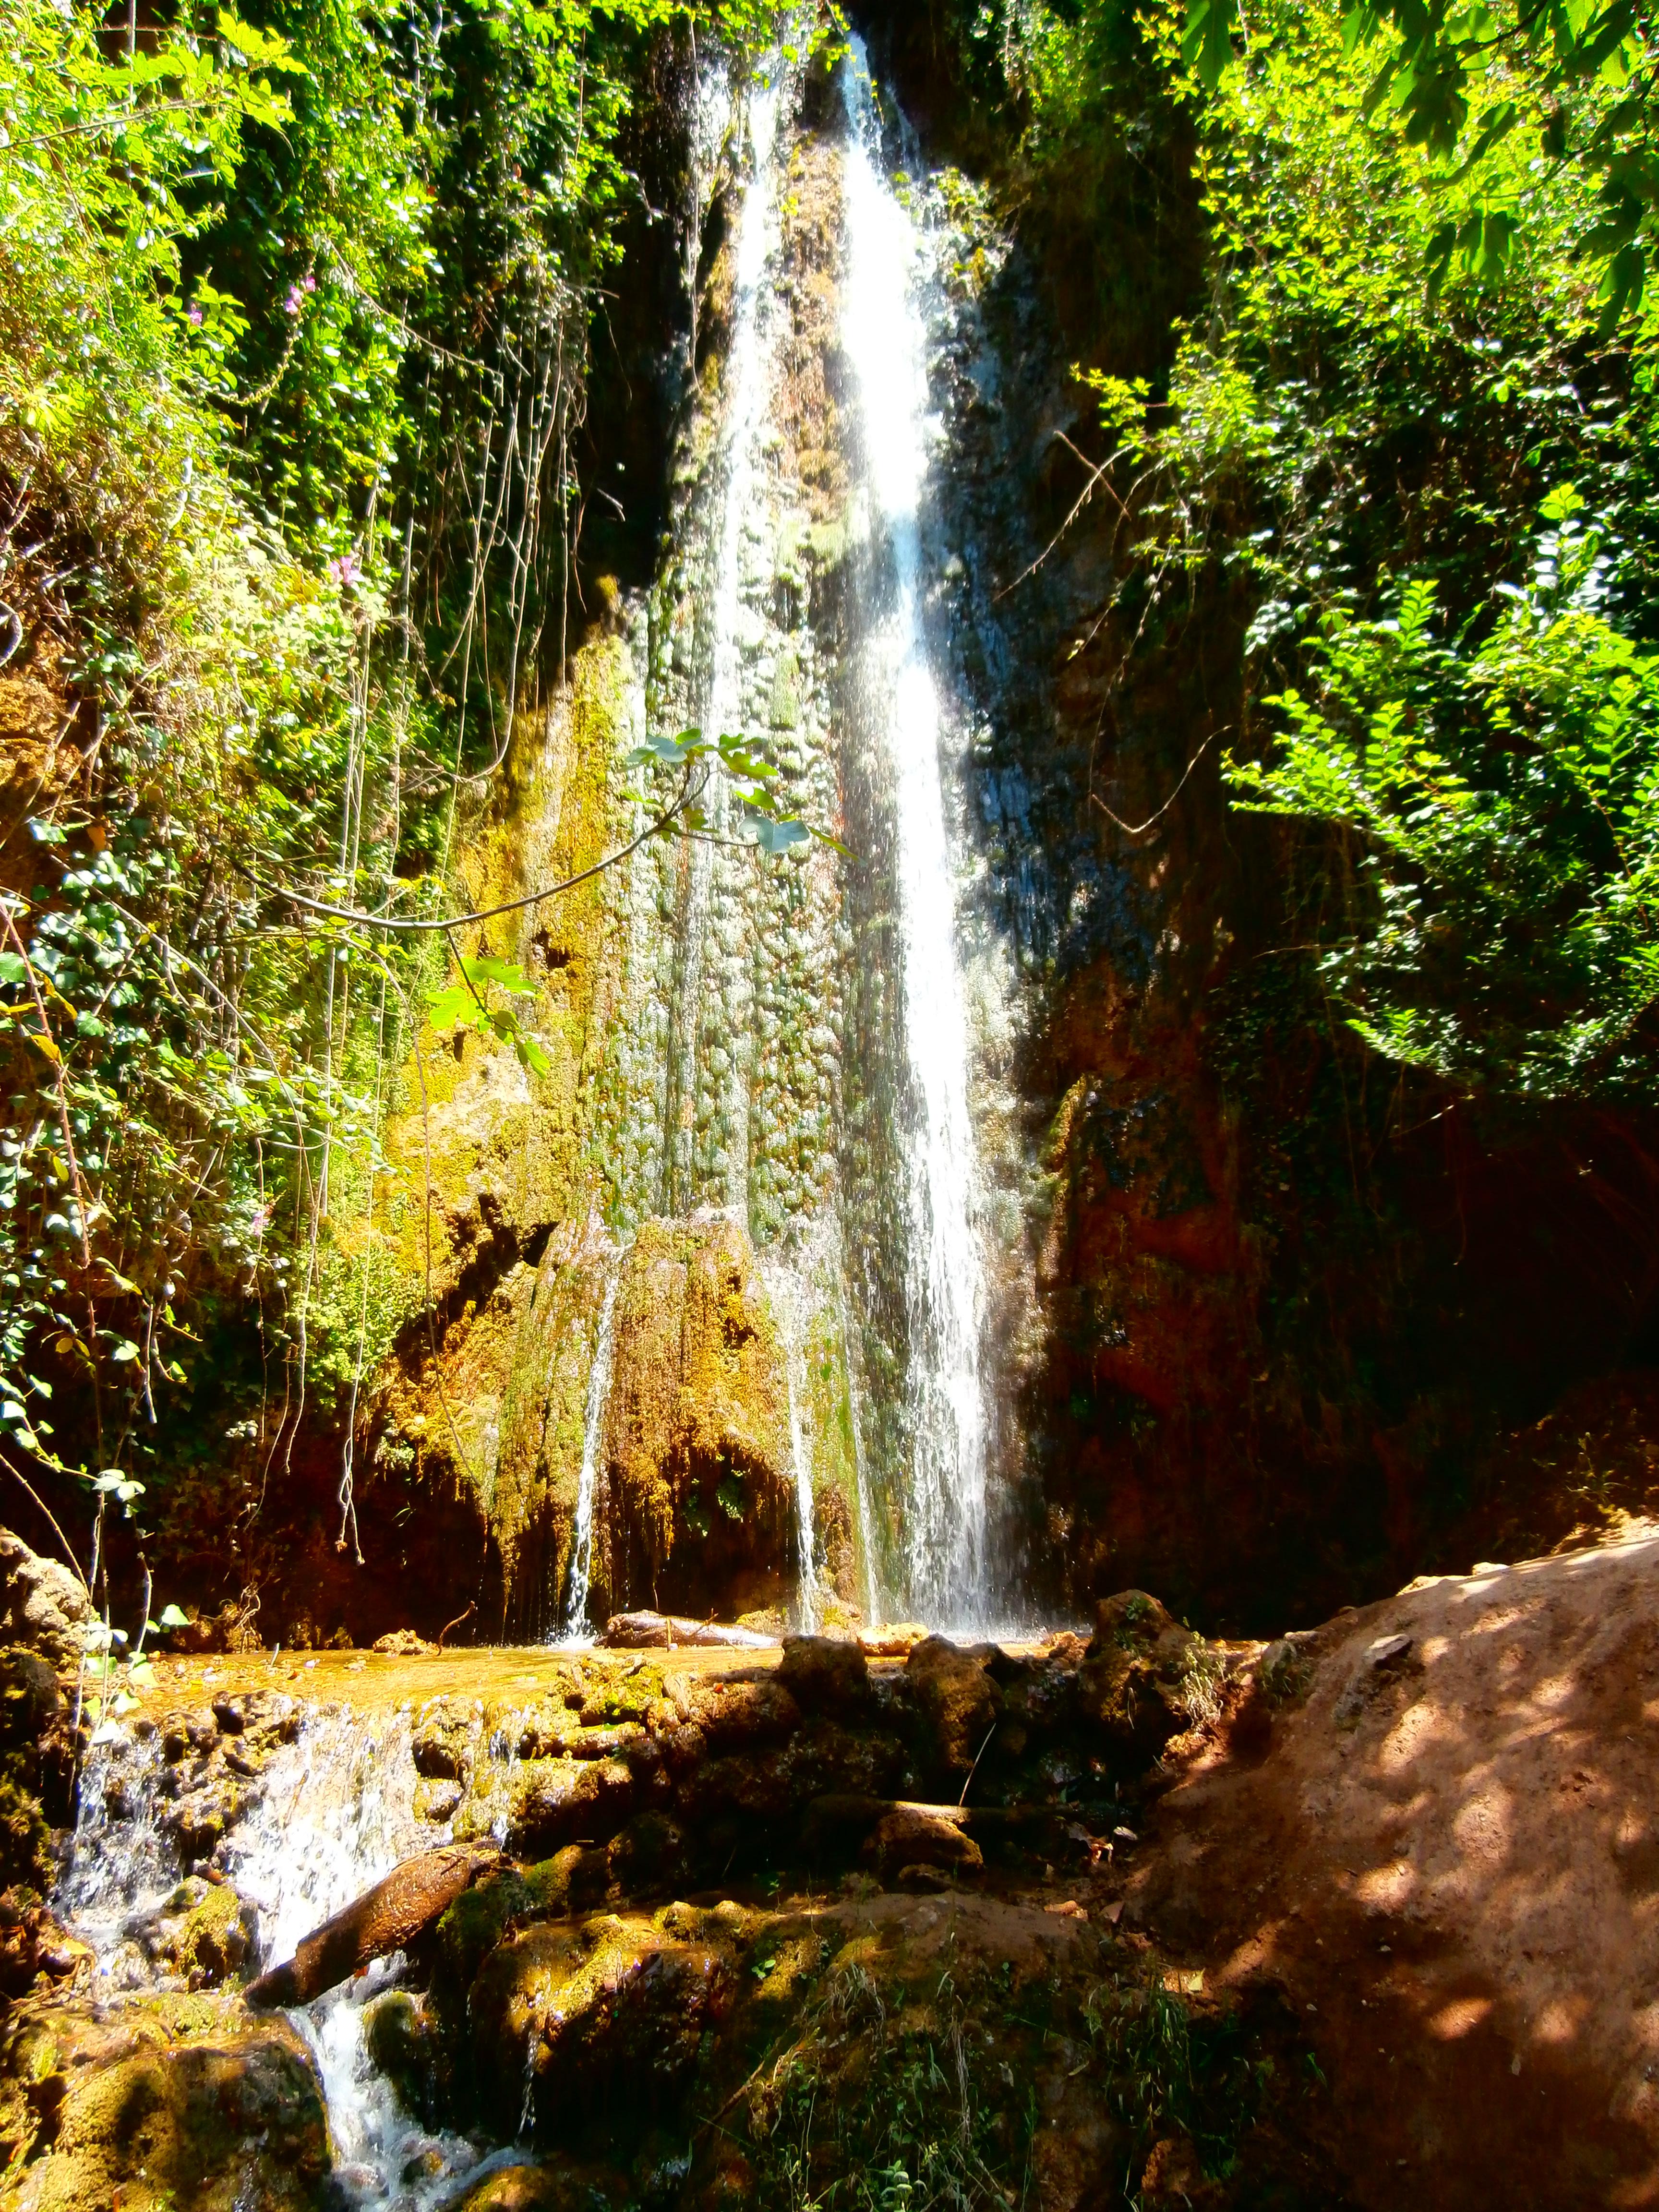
[(291, 304), (310, 284), (194, 317), (345, 570)]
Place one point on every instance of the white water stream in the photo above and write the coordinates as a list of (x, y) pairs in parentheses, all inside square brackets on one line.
[(749, 386), (885, 338), (576, 1623), (333, 1813)]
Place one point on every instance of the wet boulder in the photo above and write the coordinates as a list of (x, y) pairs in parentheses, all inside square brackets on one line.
[(445, 1740), (608, 2017), (203, 1934), (402, 2039), (649, 1857), (553, 1801), (160, 2101)]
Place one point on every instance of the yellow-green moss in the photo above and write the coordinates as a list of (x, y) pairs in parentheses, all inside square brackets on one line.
[(484, 1157)]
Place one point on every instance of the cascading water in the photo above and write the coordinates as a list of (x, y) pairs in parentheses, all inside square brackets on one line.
[(576, 1622), (748, 411), (820, 1050), (331, 1814), (944, 1504)]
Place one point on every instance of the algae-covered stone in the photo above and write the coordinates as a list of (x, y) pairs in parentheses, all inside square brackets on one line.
[(694, 1508), (401, 2039), (1132, 1685), (550, 1802), (959, 1702), (611, 2013), (29, 1702), (204, 1933), (157, 2103)]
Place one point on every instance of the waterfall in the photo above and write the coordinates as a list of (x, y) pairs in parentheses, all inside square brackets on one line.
[(576, 1622), (806, 1045), (943, 1531)]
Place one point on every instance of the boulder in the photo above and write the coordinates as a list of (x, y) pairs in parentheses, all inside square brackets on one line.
[(741, 1715), (826, 1675), (42, 1604), (402, 2039), (1134, 1684), (158, 2101), (958, 1704), (923, 1835), (202, 1933), (612, 2014)]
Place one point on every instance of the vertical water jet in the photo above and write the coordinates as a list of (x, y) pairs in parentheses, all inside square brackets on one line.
[(943, 1506)]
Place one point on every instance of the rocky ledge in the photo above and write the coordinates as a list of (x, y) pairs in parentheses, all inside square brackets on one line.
[(1140, 1921)]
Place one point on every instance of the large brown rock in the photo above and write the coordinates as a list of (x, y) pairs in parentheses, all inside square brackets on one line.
[(826, 1675), (608, 2017), (959, 1702), (1136, 1684), (42, 1604)]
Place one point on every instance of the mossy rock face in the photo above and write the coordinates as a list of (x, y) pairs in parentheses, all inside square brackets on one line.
[(158, 2103), (544, 1423), (694, 1502), (29, 1702), (612, 2013)]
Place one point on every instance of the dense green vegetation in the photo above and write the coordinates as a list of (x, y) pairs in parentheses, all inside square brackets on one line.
[(1408, 441)]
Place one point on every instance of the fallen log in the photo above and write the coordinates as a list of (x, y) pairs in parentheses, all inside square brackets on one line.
[(387, 1918), (662, 1632)]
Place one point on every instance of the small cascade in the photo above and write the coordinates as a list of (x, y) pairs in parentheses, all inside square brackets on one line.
[(576, 1623), (331, 1814), (943, 1513), (784, 1289)]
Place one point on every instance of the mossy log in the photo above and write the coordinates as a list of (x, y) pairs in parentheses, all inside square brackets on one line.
[(389, 1917)]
